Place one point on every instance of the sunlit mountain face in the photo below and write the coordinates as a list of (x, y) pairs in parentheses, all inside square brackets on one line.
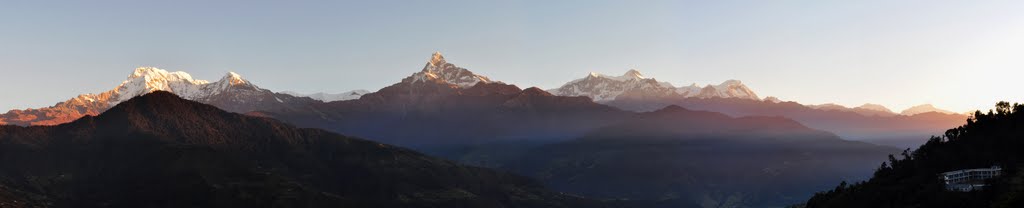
[(672, 157), (547, 104), (624, 140), (616, 141), (231, 93), (604, 88)]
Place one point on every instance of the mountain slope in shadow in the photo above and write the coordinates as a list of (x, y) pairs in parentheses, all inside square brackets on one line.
[(676, 156), (428, 115), (904, 131), (914, 179), (159, 150)]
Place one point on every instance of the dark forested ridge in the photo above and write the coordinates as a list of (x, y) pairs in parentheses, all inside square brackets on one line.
[(159, 150), (912, 180), (677, 157)]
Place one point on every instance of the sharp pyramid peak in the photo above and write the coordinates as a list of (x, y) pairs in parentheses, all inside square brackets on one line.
[(633, 73), (233, 78), (232, 75), (437, 59), (439, 69)]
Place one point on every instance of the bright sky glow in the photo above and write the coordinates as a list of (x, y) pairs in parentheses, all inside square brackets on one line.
[(958, 55)]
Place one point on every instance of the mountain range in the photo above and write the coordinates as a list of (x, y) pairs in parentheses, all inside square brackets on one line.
[(470, 118), (869, 122), (867, 109), (328, 97), (575, 139), (159, 150), (909, 179), (604, 88), (633, 85), (631, 91), (443, 105), (231, 93)]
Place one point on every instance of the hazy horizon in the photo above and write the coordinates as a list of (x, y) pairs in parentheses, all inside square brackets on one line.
[(958, 56)]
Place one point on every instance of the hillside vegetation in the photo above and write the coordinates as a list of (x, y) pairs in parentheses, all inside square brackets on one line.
[(912, 179)]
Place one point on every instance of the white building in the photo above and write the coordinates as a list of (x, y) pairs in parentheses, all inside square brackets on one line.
[(969, 179)]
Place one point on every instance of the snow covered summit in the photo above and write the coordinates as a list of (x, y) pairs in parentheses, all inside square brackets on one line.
[(329, 97), (231, 93), (439, 70), (149, 79), (604, 88)]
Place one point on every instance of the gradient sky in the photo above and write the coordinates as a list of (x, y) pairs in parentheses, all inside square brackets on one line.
[(958, 55)]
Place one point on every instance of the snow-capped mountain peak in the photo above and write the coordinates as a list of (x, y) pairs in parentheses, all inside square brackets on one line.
[(231, 79), (604, 88), (148, 79), (234, 79), (232, 93), (437, 59), (157, 74), (925, 108), (438, 69), (633, 74), (709, 91), (731, 82), (329, 97), (736, 89)]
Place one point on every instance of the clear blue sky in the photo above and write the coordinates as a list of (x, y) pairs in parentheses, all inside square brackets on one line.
[(958, 55)]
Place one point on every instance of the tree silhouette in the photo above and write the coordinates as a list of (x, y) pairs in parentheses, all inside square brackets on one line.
[(992, 138)]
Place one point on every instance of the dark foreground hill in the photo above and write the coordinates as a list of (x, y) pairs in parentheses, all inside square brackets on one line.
[(993, 138), (676, 157), (159, 150)]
